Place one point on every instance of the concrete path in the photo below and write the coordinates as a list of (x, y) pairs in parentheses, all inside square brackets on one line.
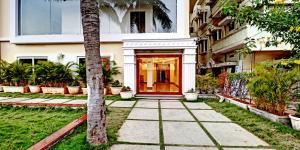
[(61, 102), (173, 125)]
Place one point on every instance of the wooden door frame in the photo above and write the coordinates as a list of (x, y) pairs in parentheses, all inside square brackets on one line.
[(179, 56)]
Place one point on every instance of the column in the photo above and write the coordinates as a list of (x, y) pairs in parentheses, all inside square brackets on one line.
[(189, 69), (130, 69)]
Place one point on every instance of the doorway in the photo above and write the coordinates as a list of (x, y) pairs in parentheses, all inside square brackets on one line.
[(159, 74)]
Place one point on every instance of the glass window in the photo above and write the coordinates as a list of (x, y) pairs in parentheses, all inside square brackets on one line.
[(137, 22), (32, 60), (40, 17)]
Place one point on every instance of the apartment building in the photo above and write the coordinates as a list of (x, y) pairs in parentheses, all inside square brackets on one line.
[(219, 38), (155, 56)]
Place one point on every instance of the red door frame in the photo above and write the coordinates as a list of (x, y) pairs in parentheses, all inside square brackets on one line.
[(159, 56)]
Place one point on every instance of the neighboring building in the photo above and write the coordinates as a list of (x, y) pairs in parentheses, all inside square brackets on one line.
[(220, 37), (153, 59)]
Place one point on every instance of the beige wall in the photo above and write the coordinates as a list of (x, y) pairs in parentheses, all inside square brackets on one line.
[(4, 19), (259, 57), (10, 52)]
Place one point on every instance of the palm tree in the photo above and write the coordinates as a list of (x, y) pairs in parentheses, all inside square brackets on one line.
[(96, 122), (160, 10)]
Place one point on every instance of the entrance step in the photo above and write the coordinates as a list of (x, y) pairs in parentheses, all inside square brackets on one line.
[(158, 97)]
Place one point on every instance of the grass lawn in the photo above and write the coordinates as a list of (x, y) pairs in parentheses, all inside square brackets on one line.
[(77, 140), (277, 135), (22, 127), (53, 96)]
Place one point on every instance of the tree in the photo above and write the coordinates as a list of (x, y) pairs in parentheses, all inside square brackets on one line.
[(96, 122), (280, 19)]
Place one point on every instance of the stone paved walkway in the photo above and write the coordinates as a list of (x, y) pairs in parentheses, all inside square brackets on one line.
[(173, 125), (59, 102)]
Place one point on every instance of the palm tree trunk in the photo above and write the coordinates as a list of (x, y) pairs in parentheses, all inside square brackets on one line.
[(96, 122)]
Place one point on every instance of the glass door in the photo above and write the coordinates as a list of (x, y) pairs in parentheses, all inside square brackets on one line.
[(159, 74)]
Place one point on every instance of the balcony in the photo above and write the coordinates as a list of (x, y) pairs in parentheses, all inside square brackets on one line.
[(232, 41)]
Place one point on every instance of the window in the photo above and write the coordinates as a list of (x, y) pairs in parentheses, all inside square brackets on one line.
[(231, 26), (41, 17), (137, 22), (204, 46), (31, 60), (81, 59), (217, 35)]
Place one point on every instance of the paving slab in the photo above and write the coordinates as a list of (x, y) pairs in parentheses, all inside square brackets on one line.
[(176, 115), (209, 115), (170, 100), (197, 105), (144, 114), (147, 104), (189, 148), (169, 104), (76, 102), (231, 134), (15, 100), (36, 100), (108, 102), (139, 132), (124, 104), (134, 147), (185, 133), (246, 149), (57, 101), (3, 98)]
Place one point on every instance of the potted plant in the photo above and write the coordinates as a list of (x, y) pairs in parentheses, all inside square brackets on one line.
[(126, 92), (295, 118), (34, 87), (270, 88), (109, 69), (3, 75), (74, 87), (206, 83), (81, 75), (116, 87), (191, 95), (54, 76), (17, 75)]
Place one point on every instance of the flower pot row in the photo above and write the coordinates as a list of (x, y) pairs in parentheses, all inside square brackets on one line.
[(287, 119)]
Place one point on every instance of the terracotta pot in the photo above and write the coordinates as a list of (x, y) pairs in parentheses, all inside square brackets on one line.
[(191, 96), (34, 88), (116, 90), (85, 91), (73, 89), (14, 89), (126, 95), (295, 122), (53, 90)]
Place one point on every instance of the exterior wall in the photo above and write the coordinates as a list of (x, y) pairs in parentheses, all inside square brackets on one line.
[(4, 20), (11, 52)]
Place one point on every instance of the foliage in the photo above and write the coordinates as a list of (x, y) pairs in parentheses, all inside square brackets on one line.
[(125, 89), (277, 18), (160, 11), (271, 85), (116, 83), (109, 70), (279, 136), (81, 73), (206, 83), (4, 72), (74, 83), (222, 79), (17, 73), (54, 74)]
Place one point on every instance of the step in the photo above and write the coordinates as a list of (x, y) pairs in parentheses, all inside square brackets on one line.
[(159, 97)]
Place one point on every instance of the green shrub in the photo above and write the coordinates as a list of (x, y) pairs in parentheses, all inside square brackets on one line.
[(206, 83), (270, 87)]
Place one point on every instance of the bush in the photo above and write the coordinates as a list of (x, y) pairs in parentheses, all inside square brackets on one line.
[(206, 83), (270, 87), (54, 74)]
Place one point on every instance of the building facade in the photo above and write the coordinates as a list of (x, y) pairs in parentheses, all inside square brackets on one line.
[(154, 56), (220, 37)]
